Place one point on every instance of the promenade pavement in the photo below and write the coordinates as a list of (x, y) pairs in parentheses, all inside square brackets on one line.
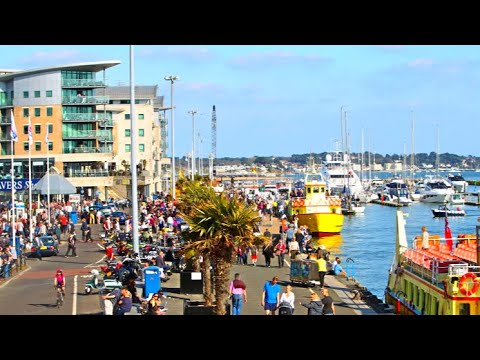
[(255, 278)]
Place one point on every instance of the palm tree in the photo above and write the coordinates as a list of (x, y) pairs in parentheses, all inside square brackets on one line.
[(221, 225)]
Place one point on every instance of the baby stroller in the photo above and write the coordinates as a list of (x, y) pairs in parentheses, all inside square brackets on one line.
[(285, 308)]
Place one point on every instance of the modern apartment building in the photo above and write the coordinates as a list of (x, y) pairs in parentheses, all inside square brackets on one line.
[(87, 130)]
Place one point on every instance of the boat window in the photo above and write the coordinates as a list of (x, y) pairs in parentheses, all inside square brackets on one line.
[(309, 190), (464, 309), (316, 190), (322, 189)]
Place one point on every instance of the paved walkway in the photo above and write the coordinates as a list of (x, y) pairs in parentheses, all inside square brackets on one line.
[(255, 278)]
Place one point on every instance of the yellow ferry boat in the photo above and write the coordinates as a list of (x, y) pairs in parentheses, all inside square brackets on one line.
[(441, 280), (316, 209)]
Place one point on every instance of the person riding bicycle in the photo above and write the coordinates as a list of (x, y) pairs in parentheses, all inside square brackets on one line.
[(59, 281)]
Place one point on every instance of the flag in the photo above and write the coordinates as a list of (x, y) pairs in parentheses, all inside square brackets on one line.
[(30, 134), (46, 137), (448, 232), (13, 131)]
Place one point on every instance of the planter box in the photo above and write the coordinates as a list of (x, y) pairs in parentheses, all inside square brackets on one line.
[(199, 308)]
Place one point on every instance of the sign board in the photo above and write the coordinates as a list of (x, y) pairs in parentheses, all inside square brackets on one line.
[(20, 184), (74, 198)]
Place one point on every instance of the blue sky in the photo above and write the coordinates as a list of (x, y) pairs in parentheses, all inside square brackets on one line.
[(283, 100)]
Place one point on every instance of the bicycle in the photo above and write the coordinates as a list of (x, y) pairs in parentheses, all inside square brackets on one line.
[(60, 296)]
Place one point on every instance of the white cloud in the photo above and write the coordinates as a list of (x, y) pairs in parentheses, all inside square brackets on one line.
[(271, 58), (187, 53), (421, 63), (43, 57)]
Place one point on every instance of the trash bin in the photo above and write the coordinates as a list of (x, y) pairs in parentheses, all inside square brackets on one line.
[(151, 277), (191, 282), (74, 216), (303, 271)]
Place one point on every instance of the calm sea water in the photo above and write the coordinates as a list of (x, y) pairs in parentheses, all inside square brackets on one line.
[(369, 239)]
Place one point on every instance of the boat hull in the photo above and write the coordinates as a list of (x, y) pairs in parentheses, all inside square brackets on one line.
[(322, 223)]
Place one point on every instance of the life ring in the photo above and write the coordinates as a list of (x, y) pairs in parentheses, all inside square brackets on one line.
[(464, 287), (300, 202)]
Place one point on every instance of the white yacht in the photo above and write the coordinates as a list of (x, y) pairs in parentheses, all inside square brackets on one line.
[(341, 178), (396, 191), (458, 182), (436, 189)]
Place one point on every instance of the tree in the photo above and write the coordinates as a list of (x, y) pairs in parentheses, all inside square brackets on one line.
[(221, 225)]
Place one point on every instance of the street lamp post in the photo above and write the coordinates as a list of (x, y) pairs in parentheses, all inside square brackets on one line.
[(172, 79), (193, 112)]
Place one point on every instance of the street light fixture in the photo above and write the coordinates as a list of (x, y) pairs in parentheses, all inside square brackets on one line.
[(172, 79), (193, 112)]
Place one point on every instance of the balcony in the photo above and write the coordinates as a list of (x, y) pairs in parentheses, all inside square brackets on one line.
[(86, 150), (87, 117), (82, 83), (6, 102), (84, 100), (87, 173), (5, 120), (104, 135), (5, 137)]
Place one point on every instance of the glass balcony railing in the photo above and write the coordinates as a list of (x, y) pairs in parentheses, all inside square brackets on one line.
[(85, 100), (82, 83), (5, 120), (5, 137), (6, 102), (104, 135), (86, 150), (87, 117), (87, 173)]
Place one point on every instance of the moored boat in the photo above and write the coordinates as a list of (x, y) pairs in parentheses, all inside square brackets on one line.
[(443, 211), (440, 280), (321, 212)]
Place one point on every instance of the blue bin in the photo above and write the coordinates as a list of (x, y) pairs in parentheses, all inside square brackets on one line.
[(74, 217), (151, 276)]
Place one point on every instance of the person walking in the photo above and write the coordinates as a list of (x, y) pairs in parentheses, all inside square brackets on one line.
[(253, 254), (268, 254), (315, 306), (238, 292), (38, 244), (271, 296), (280, 252), (71, 245), (327, 301), (288, 297), (322, 270), (294, 249)]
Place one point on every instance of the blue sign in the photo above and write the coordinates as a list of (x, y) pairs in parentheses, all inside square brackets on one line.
[(20, 184)]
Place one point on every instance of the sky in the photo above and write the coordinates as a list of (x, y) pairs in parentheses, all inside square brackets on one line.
[(282, 100)]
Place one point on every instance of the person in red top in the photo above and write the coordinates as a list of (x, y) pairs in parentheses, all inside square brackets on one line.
[(59, 281), (63, 223), (280, 251), (109, 253)]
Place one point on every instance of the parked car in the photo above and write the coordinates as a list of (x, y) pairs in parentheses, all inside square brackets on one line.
[(49, 247), (120, 215)]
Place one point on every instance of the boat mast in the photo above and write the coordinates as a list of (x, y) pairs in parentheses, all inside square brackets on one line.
[(437, 159), (412, 154), (361, 160)]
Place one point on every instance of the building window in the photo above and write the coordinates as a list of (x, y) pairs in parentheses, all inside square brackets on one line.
[(49, 111), (25, 112), (25, 146), (127, 116), (127, 132), (50, 146), (141, 147), (25, 129), (49, 93), (141, 132), (127, 147), (50, 128), (38, 129), (25, 94), (37, 112), (141, 116), (37, 93), (38, 145)]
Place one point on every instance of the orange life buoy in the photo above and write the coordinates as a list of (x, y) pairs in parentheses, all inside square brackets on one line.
[(463, 284), (301, 202)]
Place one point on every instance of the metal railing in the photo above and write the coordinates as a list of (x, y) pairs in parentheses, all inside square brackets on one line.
[(89, 134), (84, 149), (82, 83), (6, 102), (88, 173), (5, 120), (6, 270), (87, 117), (87, 100)]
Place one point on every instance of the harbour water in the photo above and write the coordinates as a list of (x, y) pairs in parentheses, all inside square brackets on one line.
[(369, 239)]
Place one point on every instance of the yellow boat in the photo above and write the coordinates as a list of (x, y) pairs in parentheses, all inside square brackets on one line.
[(441, 280), (316, 209)]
